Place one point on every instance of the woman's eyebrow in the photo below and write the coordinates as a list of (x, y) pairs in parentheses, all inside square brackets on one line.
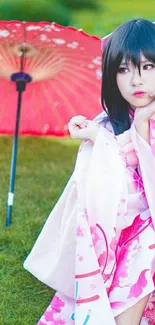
[(141, 61), (144, 61)]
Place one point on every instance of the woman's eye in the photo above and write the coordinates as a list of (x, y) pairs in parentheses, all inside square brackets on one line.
[(123, 69), (148, 66)]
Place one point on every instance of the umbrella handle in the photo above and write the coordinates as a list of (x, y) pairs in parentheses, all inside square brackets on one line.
[(21, 79), (13, 163)]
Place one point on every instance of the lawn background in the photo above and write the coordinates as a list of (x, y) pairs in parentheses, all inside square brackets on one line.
[(43, 168)]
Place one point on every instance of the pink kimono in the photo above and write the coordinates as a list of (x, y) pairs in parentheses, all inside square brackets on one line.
[(97, 247)]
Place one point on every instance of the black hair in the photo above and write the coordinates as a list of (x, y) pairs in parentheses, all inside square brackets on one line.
[(128, 41)]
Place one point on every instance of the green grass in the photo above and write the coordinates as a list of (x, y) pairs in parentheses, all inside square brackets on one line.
[(111, 14), (43, 168)]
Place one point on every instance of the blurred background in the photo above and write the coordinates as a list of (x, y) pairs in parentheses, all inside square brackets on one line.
[(97, 17)]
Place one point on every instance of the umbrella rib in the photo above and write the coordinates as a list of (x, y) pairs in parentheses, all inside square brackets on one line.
[(40, 118), (74, 81), (39, 111), (41, 58), (39, 55), (83, 67), (51, 60), (80, 95), (13, 59), (82, 77), (57, 65), (4, 54), (61, 95), (76, 60), (50, 70), (24, 37), (4, 104), (82, 60), (80, 69), (56, 113), (75, 53)]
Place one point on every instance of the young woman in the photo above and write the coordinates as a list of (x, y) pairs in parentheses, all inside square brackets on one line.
[(97, 248)]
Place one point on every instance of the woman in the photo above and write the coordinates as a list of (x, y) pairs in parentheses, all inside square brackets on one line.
[(100, 237)]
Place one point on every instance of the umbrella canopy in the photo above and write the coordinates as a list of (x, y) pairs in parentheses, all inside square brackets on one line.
[(65, 66)]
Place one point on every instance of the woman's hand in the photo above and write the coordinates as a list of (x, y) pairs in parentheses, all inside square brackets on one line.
[(83, 129), (142, 117)]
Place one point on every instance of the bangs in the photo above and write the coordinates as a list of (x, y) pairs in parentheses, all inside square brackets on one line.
[(131, 40)]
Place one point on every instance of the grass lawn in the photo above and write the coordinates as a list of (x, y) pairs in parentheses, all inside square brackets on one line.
[(43, 168)]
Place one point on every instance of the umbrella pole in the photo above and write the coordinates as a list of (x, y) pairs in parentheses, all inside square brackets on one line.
[(13, 163), (21, 79)]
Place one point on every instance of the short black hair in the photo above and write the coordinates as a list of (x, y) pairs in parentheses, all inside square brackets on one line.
[(128, 41)]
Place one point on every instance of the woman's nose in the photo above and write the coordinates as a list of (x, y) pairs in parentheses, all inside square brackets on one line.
[(136, 79)]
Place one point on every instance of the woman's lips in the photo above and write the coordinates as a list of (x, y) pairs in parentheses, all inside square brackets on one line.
[(139, 94)]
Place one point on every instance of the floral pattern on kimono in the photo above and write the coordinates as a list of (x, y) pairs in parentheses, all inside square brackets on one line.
[(97, 248)]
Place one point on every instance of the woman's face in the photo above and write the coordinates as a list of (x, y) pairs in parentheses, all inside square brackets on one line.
[(135, 88)]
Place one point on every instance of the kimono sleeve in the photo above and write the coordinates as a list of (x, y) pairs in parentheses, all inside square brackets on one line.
[(51, 258)]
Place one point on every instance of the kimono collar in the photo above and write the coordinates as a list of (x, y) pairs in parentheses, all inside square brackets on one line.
[(131, 113)]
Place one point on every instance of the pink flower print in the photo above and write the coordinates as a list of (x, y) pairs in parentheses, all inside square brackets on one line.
[(152, 246), (49, 315), (151, 316), (151, 322), (151, 304), (80, 258), (137, 289), (122, 208), (102, 259), (153, 146), (94, 234), (78, 302), (137, 182), (152, 135), (143, 194), (117, 304), (79, 232), (113, 243), (121, 270), (92, 286), (86, 213), (106, 277), (56, 304), (59, 321), (132, 231)]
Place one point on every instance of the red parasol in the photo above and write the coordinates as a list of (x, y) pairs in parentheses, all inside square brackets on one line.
[(60, 70), (65, 66)]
